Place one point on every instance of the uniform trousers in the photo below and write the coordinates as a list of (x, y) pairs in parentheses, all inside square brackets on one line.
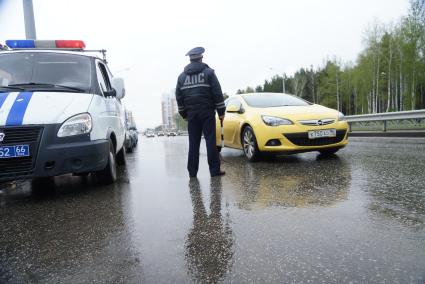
[(202, 122)]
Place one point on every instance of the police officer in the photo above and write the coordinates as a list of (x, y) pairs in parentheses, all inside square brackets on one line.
[(198, 95)]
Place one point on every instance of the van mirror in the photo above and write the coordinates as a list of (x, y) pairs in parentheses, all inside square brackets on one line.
[(110, 93), (118, 85)]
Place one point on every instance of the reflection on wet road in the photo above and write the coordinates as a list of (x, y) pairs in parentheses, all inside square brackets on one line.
[(358, 216)]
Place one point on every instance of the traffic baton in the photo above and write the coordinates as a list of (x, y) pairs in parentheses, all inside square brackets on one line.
[(222, 134)]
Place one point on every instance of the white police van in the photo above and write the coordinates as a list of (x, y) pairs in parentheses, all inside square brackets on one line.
[(60, 112)]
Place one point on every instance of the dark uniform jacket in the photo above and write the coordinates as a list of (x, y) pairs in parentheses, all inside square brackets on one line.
[(198, 89)]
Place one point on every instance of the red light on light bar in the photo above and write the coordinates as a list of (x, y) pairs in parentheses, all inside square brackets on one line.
[(78, 44)]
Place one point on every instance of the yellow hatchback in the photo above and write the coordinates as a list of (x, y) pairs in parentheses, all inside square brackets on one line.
[(281, 123)]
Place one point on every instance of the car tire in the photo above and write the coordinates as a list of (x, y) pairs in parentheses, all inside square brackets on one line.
[(121, 159), (249, 145), (219, 149), (129, 149), (109, 174), (328, 152)]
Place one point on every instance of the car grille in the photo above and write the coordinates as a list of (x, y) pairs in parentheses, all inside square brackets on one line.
[(20, 136), (301, 139), (317, 122)]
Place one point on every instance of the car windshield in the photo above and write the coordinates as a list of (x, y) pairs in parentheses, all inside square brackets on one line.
[(262, 100), (46, 71)]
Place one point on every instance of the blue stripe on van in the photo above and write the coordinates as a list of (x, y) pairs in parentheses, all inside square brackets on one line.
[(3, 97), (19, 107)]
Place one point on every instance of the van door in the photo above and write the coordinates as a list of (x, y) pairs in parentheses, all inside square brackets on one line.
[(111, 117)]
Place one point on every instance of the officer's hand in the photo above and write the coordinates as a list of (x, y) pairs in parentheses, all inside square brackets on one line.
[(221, 117)]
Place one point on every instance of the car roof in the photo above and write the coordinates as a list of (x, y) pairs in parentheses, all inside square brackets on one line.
[(59, 51)]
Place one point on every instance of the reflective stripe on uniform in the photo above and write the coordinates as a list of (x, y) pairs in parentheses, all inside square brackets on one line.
[(220, 105), (195, 86)]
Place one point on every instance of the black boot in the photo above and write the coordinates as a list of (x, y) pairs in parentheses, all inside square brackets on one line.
[(220, 173)]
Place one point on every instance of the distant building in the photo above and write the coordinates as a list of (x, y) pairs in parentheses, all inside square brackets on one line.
[(169, 110), (130, 118)]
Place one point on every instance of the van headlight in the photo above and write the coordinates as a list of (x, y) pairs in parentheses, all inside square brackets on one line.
[(275, 121), (76, 125), (341, 116)]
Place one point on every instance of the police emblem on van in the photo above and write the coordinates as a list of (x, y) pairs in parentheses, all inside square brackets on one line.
[(2, 135)]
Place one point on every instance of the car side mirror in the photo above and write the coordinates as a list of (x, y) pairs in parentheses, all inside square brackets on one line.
[(232, 108), (118, 85)]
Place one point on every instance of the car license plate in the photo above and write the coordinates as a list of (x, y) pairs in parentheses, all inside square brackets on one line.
[(322, 133), (14, 151)]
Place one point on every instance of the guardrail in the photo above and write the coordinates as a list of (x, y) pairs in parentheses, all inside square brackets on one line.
[(403, 120)]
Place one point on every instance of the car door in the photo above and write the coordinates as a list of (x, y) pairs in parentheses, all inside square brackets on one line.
[(232, 121)]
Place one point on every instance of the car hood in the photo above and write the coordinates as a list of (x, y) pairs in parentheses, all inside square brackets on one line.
[(298, 112), (42, 107)]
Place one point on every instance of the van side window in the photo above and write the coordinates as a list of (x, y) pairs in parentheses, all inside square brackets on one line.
[(103, 78)]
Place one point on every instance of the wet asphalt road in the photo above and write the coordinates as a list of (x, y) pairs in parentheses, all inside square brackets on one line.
[(356, 217)]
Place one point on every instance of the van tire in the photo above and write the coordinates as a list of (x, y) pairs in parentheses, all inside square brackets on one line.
[(121, 158), (109, 174)]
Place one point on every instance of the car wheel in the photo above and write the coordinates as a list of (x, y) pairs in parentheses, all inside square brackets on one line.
[(219, 149), (249, 144), (121, 157), (109, 174), (327, 152)]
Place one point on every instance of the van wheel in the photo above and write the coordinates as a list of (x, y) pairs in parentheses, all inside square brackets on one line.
[(121, 157), (109, 174)]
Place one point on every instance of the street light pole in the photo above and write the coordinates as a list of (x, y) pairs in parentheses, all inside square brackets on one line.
[(29, 19), (283, 83)]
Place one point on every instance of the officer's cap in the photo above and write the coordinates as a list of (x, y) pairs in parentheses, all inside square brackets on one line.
[(195, 53)]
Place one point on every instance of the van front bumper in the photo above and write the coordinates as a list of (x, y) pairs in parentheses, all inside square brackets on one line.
[(53, 156)]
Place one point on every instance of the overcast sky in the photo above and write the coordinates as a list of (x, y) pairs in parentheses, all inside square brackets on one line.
[(246, 41)]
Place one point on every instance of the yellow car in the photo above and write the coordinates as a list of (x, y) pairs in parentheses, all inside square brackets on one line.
[(280, 123)]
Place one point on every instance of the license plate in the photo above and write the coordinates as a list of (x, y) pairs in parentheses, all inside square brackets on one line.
[(14, 151), (322, 133)]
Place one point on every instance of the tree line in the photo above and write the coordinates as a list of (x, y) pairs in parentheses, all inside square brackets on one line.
[(388, 75)]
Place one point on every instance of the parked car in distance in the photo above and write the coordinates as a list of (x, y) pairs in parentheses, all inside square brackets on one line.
[(150, 134), (160, 133), (132, 139)]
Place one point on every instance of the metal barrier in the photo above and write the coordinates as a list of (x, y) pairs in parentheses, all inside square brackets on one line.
[(401, 119)]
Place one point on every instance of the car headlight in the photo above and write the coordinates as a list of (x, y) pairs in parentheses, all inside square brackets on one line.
[(341, 116), (275, 121), (76, 125)]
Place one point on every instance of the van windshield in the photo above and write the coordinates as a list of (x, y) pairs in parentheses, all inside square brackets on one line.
[(44, 71)]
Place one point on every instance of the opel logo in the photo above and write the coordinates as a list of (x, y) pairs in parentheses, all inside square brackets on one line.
[(2, 135), (319, 122)]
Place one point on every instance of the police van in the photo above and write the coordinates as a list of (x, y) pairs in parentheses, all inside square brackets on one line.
[(60, 111)]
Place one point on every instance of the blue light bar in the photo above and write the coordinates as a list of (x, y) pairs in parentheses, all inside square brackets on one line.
[(25, 43)]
